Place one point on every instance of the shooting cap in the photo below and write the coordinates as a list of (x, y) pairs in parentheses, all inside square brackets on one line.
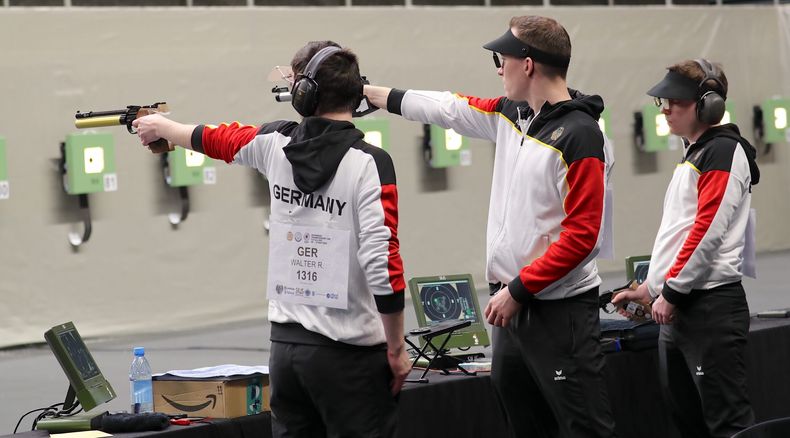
[(675, 86), (509, 45)]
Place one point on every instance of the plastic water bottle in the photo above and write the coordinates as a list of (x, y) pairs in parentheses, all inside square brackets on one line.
[(140, 383)]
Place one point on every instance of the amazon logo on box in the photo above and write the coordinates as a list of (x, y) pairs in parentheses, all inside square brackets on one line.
[(225, 397)]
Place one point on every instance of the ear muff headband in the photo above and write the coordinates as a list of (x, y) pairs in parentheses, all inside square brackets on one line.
[(305, 89), (311, 70), (710, 104)]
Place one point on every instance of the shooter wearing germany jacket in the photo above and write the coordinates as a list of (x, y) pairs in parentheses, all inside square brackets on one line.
[(317, 167), (541, 242), (706, 208)]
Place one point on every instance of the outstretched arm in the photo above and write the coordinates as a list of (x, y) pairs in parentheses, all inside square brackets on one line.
[(377, 95), (467, 115), (233, 143), (155, 126)]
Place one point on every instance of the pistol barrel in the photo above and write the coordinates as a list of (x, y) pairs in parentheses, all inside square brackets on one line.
[(97, 122)]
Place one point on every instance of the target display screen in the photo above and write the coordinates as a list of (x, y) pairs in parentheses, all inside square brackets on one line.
[(453, 297), (78, 353), (636, 268), (85, 379), (447, 300)]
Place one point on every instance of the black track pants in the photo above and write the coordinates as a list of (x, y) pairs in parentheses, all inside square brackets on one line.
[(548, 370), (702, 365), (320, 391)]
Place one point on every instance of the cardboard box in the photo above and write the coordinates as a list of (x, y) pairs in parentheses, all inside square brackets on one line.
[(215, 397)]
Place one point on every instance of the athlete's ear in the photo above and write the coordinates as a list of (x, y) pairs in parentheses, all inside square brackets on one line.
[(529, 66)]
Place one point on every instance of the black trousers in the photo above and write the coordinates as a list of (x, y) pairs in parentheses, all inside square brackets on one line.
[(547, 370), (321, 391), (702, 365)]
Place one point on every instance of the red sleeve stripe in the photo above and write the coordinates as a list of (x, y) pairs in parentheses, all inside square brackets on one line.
[(711, 187), (389, 201), (484, 105), (224, 141), (581, 226)]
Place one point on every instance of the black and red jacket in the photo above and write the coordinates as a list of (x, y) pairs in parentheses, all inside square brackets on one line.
[(546, 216), (706, 208), (322, 174)]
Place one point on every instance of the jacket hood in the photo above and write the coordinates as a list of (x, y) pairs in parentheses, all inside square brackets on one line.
[(591, 105), (731, 131), (317, 146)]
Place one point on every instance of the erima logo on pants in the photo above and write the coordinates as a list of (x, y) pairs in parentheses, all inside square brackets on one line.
[(699, 371), (559, 375)]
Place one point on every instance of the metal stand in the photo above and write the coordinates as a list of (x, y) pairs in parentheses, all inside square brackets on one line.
[(439, 356), (75, 239), (71, 399)]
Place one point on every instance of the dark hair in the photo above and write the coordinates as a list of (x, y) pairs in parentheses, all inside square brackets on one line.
[(338, 79), (690, 69), (544, 34)]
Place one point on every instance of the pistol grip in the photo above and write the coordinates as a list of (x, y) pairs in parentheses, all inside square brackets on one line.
[(160, 146), (605, 299)]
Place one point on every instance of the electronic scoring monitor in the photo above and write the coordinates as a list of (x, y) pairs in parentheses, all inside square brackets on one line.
[(85, 378), (449, 297), (636, 268)]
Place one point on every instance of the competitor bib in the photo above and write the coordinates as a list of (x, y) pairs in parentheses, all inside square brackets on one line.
[(308, 265)]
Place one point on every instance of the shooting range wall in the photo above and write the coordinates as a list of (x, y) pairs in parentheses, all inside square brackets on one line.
[(136, 274)]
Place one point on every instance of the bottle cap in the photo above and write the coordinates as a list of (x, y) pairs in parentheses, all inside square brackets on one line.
[(139, 351)]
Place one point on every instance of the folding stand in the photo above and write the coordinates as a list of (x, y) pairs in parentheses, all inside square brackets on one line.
[(439, 356)]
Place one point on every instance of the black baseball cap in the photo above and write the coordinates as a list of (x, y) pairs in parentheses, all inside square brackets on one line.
[(675, 86), (508, 44)]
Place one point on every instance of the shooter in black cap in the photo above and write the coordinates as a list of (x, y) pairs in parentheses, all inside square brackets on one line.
[(698, 258), (545, 227)]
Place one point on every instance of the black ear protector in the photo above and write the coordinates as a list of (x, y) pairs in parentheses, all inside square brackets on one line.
[(710, 105), (305, 89)]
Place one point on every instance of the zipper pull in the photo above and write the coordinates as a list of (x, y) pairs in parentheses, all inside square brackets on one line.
[(521, 126)]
